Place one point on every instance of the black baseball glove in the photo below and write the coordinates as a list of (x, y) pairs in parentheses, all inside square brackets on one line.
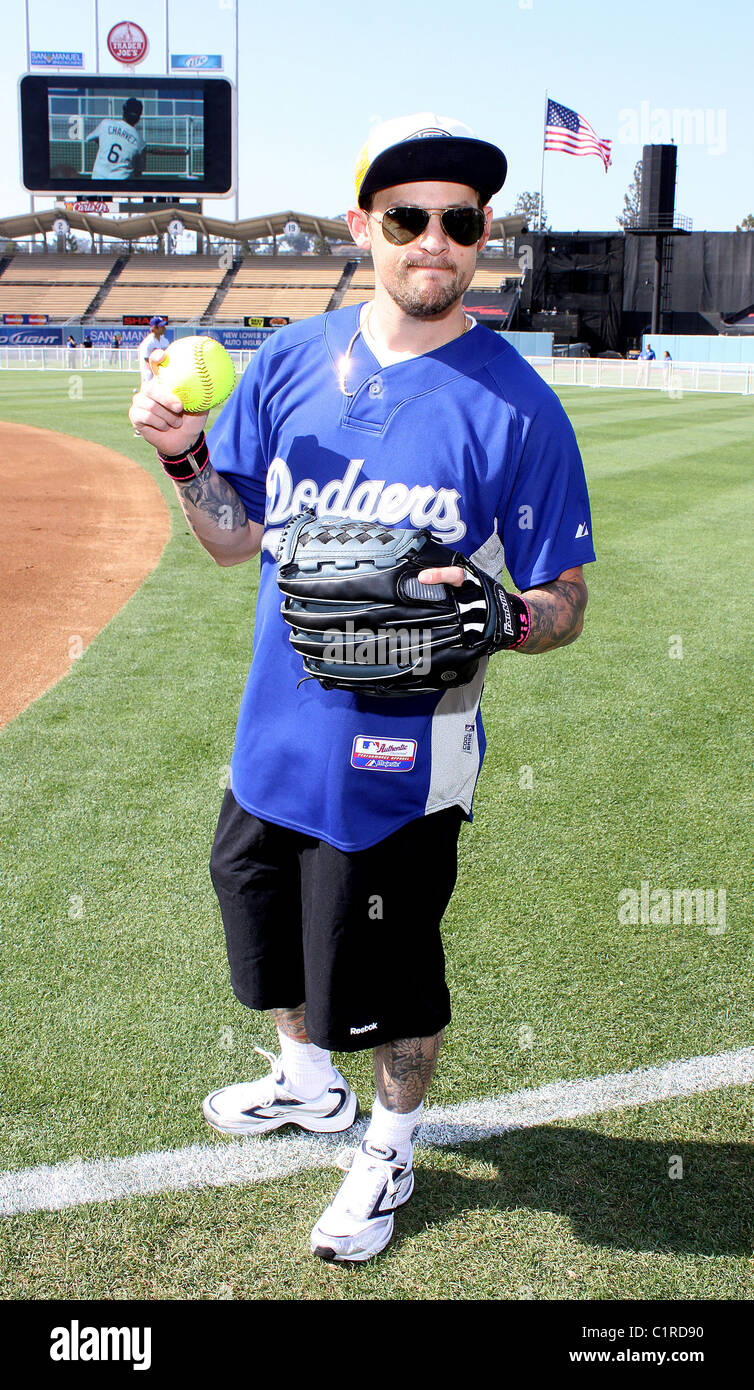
[(363, 621)]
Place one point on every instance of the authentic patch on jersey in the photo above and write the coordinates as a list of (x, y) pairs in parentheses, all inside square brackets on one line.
[(383, 754)]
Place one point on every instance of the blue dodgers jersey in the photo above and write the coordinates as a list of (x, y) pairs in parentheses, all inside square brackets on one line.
[(467, 441)]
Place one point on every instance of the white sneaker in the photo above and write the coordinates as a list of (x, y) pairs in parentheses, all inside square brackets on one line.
[(254, 1107), (359, 1221)]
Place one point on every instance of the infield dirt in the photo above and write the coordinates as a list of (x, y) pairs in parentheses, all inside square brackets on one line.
[(81, 527)]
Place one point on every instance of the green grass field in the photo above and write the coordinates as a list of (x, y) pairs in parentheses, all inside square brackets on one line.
[(620, 760)]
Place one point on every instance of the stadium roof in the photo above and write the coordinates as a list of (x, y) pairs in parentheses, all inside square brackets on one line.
[(156, 224)]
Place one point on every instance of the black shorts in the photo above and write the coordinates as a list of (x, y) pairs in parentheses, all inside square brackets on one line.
[(356, 936)]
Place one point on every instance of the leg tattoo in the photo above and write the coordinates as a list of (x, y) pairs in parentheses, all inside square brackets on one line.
[(291, 1022), (404, 1069)]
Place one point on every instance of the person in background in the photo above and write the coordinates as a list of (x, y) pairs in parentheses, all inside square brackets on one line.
[(646, 356), (150, 344)]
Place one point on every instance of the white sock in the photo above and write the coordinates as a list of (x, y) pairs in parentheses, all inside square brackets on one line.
[(390, 1130), (307, 1068)]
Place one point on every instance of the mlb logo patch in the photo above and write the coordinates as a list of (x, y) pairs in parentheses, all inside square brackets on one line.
[(372, 754)]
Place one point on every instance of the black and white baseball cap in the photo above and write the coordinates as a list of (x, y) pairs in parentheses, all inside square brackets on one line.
[(413, 149)]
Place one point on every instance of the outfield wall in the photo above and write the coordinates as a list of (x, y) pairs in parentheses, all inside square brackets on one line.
[(685, 347), (529, 344)]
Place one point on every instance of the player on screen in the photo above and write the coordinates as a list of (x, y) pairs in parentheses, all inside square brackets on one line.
[(120, 154)]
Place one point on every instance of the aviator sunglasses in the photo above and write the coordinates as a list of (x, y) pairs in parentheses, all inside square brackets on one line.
[(400, 225)]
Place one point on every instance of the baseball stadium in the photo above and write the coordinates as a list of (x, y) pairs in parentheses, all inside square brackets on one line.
[(587, 1136)]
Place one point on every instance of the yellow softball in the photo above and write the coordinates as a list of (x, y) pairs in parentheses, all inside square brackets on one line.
[(199, 372)]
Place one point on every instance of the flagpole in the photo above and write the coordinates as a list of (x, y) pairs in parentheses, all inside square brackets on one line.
[(542, 174)]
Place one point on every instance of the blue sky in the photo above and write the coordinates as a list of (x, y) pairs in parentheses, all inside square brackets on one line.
[(314, 75)]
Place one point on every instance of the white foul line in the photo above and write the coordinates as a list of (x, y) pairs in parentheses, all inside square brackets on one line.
[(219, 1164)]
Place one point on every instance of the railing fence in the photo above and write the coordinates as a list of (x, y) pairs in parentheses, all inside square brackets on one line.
[(675, 378)]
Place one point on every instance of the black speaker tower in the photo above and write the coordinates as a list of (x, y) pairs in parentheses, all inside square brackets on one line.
[(657, 194), (657, 215)]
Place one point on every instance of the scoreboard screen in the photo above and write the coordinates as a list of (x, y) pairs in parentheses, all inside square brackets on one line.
[(127, 135)]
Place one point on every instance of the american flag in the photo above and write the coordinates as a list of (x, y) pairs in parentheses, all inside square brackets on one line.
[(567, 131)]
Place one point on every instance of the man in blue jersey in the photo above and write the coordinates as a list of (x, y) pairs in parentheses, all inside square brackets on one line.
[(333, 870)]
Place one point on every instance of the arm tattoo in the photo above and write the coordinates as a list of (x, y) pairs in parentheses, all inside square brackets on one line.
[(404, 1070), (557, 614), (212, 495)]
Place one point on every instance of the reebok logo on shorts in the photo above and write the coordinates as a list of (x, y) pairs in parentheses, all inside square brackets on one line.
[(368, 1028), (383, 754)]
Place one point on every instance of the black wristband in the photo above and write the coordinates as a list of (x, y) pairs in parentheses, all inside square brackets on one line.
[(493, 620), (189, 465), (513, 619)]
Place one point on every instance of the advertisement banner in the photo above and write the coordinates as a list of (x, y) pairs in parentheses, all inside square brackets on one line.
[(134, 36), (241, 339), (90, 205), (127, 42), (42, 58), (197, 60), (30, 336), (234, 339), (26, 318), (265, 321), (129, 337)]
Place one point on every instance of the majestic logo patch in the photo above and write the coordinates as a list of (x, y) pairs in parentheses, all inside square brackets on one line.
[(383, 754), (582, 531)]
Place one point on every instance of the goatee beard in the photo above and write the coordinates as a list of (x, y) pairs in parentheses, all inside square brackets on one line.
[(428, 304)]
